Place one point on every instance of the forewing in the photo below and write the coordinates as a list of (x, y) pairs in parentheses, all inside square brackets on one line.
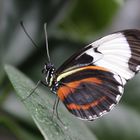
[(118, 52)]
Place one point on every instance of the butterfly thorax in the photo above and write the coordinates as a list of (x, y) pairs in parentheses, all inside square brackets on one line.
[(49, 72)]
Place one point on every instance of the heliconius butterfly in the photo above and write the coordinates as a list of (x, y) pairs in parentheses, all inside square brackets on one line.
[(91, 82)]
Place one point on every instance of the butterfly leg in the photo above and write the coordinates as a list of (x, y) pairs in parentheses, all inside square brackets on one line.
[(33, 90), (55, 110), (54, 106), (44, 83)]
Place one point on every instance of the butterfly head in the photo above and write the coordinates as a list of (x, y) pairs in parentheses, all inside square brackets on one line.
[(49, 72)]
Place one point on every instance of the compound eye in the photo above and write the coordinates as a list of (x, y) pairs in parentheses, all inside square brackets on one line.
[(43, 71)]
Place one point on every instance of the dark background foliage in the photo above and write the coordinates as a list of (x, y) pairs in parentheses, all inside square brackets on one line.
[(70, 25)]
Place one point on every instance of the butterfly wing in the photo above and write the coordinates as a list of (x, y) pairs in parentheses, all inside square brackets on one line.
[(90, 92), (92, 80)]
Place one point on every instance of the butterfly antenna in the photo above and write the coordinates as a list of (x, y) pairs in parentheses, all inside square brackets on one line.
[(47, 48), (24, 29)]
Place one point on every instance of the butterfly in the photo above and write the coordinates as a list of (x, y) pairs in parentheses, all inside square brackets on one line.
[(91, 82)]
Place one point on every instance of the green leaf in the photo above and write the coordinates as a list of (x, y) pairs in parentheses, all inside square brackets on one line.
[(40, 108)]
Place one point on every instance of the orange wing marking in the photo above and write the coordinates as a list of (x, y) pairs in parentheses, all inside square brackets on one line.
[(64, 91), (85, 107)]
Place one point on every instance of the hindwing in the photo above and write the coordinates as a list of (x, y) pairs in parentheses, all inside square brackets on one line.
[(90, 92)]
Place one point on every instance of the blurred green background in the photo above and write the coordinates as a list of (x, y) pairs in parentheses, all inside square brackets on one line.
[(71, 25)]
